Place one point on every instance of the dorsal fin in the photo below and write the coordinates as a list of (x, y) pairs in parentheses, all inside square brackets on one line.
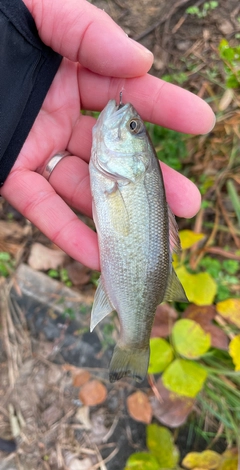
[(174, 240)]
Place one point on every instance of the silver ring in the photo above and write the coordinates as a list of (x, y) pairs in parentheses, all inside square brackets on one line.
[(52, 163)]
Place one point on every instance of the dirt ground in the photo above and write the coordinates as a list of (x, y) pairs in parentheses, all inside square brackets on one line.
[(39, 406), (172, 35)]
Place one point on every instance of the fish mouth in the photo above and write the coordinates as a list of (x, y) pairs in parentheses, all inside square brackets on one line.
[(111, 115), (114, 109)]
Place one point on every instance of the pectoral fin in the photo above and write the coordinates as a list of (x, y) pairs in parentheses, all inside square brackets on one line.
[(118, 212), (175, 291), (101, 306)]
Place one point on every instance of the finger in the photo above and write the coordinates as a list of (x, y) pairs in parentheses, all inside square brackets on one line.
[(182, 194), (155, 100), (70, 180), (34, 197), (84, 33)]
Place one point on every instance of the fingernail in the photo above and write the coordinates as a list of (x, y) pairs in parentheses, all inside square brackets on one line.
[(212, 126), (214, 122), (141, 48)]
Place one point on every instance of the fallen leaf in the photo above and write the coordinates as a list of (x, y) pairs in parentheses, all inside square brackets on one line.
[(161, 445), (73, 463), (52, 414), (200, 288), (93, 393), (161, 354), (42, 258), (234, 351), (81, 378), (139, 407), (99, 430), (142, 461), (163, 321), (226, 99), (204, 314), (188, 238), (230, 310), (189, 339), (229, 460), (82, 415), (78, 273), (184, 377), (208, 459), (12, 231), (170, 409)]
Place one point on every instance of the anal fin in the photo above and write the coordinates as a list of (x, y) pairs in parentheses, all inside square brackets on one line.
[(101, 306)]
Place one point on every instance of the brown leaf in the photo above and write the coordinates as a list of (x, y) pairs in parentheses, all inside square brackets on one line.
[(42, 258), (169, 408), (139, 407), (93, 393), (164, 319), (204, 316), (78, 273), (81, 378), (219, 339), (200, 314)]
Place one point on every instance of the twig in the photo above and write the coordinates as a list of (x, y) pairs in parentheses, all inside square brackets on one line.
[(219, 251), (227, 220), (165, 17)]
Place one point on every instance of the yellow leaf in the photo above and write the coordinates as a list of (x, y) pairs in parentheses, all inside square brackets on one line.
[(229, 460), (188, 238), (230, 309), (234, 351), (200, 288), (208, 459)]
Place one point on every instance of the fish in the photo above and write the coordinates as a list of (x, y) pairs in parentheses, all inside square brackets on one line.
[(137, 235)]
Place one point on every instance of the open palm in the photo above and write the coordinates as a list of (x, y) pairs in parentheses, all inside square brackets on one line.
[(99, 61)]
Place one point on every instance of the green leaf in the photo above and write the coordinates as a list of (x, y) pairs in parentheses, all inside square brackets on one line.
[(232, 82), (184, 377), (200, 288), (4, 270), (142, 461), (231, 266), (212, 266), (53, 273), (5, 256), (189, 338), (161, 445), (161, 354)]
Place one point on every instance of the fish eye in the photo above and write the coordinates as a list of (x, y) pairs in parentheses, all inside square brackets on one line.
[(135, 126)]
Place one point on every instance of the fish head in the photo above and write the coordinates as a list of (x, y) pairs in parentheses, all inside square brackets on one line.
[(120, 142)]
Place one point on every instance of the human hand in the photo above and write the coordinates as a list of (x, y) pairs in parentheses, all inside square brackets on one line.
[(99, 61)]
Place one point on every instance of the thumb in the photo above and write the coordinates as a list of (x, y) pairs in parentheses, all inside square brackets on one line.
[(84, 33)]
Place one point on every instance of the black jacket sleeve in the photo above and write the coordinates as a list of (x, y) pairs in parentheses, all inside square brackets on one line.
[(27, 68)]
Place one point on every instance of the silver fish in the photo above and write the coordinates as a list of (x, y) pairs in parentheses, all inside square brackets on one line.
[(137, 234)]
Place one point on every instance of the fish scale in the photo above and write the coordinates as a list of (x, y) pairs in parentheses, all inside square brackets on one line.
[(134, 225)]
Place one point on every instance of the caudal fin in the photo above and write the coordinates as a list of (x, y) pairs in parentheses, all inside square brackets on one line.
[(129, 363)]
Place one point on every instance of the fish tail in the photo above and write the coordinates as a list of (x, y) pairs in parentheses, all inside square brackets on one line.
[(129, 363)]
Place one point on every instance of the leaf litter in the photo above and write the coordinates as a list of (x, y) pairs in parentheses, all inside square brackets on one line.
[(212, 161)]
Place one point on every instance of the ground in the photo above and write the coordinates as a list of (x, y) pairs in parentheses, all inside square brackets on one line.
[(45, 345)]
